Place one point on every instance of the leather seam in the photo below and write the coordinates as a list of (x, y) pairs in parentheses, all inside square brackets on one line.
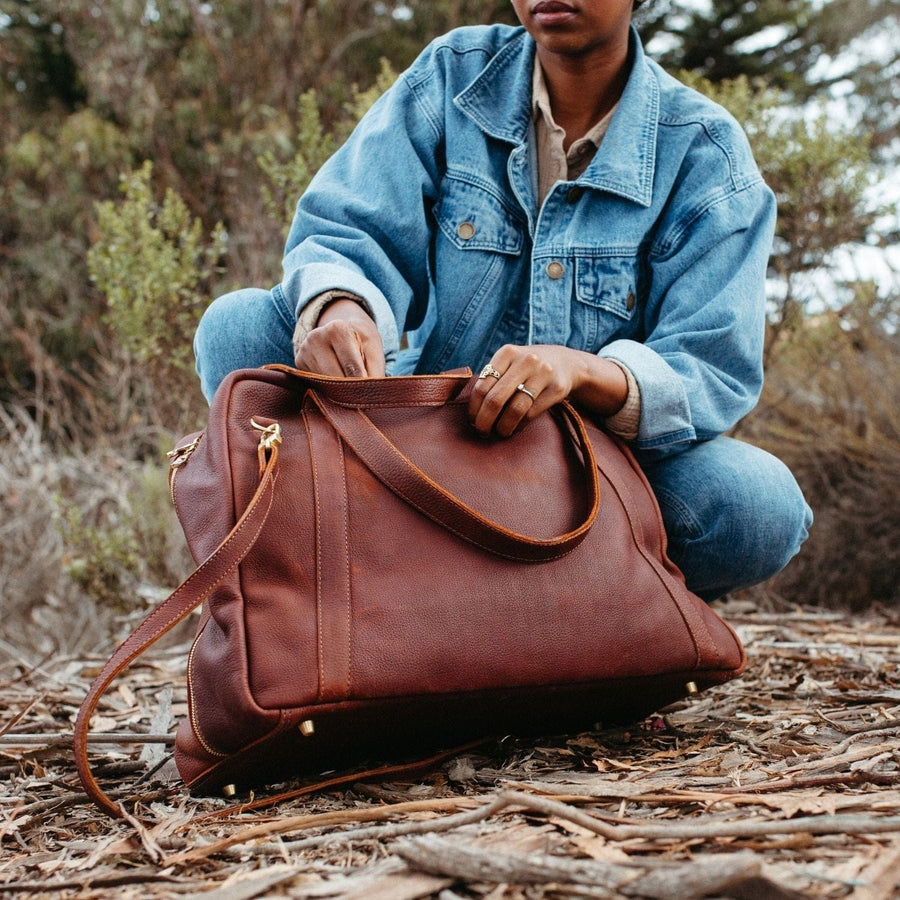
[(692, 624), (347, 563), (318, 538), (192, 721), (390, 404)]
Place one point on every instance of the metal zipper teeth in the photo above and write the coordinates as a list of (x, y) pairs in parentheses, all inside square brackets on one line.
[(194, 726), (173, 472)]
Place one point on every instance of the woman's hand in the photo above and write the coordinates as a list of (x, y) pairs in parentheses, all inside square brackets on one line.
[(344, 342), (520, 383)]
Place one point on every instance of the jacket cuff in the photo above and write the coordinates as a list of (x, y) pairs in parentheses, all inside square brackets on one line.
[(665, 417), (309, 315), (306, 283)]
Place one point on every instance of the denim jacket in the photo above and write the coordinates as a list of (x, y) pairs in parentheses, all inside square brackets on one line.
[(655, 256)]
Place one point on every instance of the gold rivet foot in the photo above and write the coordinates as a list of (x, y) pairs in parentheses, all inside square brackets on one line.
[(229, 790), (691, 687), (307, 727)]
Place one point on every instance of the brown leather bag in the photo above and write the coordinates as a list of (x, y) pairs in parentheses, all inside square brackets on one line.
[(378, 579)]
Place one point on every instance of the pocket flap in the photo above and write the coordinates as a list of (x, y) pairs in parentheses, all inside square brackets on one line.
[(607, 282), (473, 217)]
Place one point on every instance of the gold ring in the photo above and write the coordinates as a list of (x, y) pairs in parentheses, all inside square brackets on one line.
[(524, 390), (490, 370)]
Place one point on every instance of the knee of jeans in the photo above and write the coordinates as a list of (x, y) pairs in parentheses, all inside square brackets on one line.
[(207, 344), (768, 521), (228, 335), (734, 517), (212, 329)]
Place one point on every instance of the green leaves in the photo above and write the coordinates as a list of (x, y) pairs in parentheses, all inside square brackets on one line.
[(313, 145), (154, 264)]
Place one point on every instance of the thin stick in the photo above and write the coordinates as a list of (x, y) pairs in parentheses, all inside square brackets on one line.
[(399, 829), (323, 820), (65, 740), (697, 878), (21, 714), (838, 824), (86, 881)]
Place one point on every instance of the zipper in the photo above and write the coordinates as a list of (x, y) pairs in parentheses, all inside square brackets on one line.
[(195, 728), (177, 458)]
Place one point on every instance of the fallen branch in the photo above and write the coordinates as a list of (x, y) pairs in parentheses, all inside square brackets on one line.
[(838, 824), (65, 740), (86, 882), (883, 779), (341, 817), (696, 878)]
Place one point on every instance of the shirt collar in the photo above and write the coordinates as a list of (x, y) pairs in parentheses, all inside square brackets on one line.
[(540, 107)]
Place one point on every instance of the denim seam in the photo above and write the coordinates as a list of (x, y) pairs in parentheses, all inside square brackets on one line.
[(455, 173), (687, 222), (281, 306), (682, 511), (671, 437), (472, 308), (422, 103)]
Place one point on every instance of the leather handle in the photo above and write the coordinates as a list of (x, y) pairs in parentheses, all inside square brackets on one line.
[(190, 594), (392, 390), (397, 472)]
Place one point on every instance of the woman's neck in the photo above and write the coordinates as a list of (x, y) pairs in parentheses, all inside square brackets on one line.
[(583, 89)]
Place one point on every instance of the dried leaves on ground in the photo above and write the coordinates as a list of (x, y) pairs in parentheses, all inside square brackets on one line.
[(785, 783)]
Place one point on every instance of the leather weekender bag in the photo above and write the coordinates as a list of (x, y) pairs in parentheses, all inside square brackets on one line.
[(377, 578)]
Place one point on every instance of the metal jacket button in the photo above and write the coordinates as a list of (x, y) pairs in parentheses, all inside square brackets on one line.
[(465, 230), (574, 194), (629, 302), (555, 269)]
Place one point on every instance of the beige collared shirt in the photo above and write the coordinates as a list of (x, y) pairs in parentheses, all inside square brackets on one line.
[(554, 164)]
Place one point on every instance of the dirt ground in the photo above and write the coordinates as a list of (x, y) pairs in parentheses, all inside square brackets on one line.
[(784, 783)]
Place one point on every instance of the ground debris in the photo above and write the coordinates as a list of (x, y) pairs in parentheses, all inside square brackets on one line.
[(785, 783)]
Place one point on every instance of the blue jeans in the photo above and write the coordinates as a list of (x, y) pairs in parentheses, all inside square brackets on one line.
[(734, 514)]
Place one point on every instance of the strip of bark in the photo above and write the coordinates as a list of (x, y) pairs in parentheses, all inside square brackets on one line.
[(51, 741), (345, 817), (838, 824), (697, 878)]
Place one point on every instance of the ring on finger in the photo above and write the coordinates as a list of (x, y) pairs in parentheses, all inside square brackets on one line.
[(524, 390), (490, 370)]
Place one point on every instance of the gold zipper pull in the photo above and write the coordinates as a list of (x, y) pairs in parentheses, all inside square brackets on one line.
[(270, 435), (269, 438), (180, 455), (177, 458)]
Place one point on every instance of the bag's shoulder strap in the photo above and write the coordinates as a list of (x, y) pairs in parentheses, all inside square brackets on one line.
[(397, 472), (190, 594)]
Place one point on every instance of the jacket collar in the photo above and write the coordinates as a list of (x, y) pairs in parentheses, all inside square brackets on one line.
[(498, 101)]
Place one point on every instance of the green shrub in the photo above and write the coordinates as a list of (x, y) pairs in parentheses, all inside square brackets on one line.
[(102, 560), (314, 144), (154, 265), (121, 537)]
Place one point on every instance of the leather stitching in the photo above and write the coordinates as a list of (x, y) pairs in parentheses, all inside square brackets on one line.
[(317, 504), (349, 603), (190, 689)]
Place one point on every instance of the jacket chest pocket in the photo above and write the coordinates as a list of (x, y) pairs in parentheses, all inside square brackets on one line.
[(477, 258), (606, 300), (474, 216)]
